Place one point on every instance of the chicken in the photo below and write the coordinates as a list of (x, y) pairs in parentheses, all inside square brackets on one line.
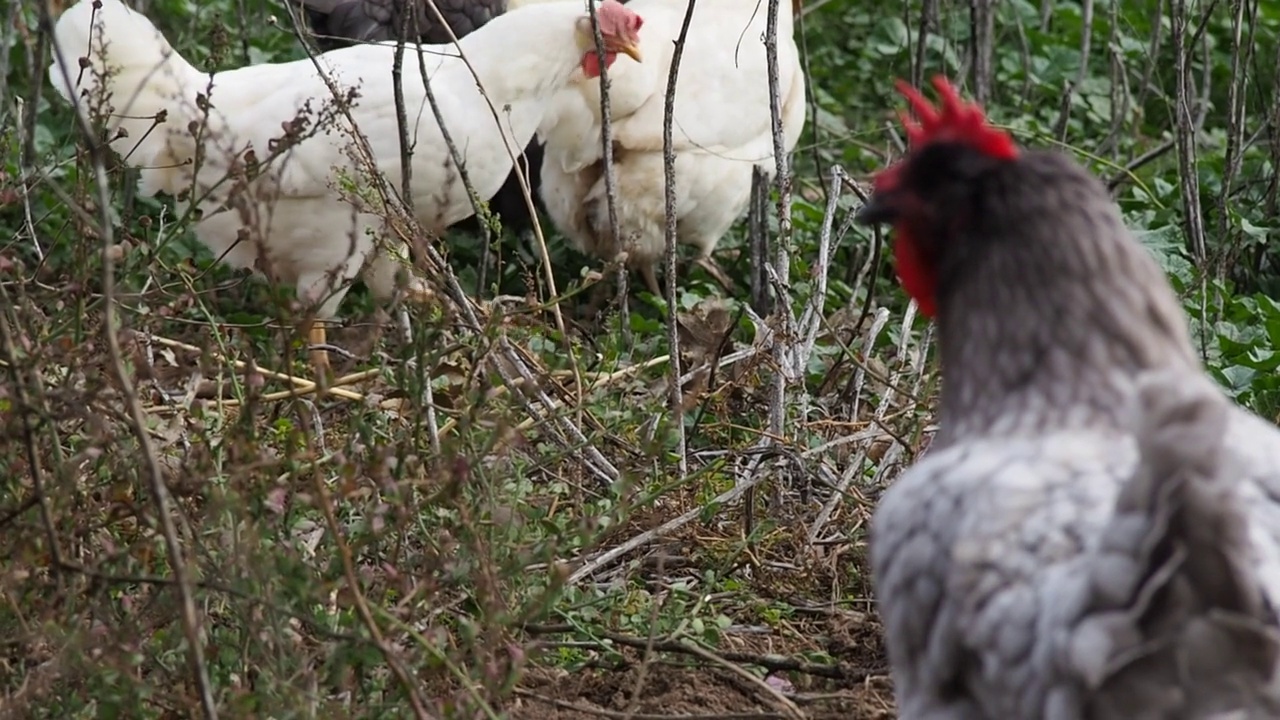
[(342, 23), (721, 130), (298, 203), (1095, 531)]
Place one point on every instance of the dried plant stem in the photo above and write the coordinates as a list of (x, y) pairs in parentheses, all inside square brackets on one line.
[(362, 606), (137, 420), (1185, 137), (509, 365), (675, 394), (547, 268), (982, 18), (788, 706), (304, 385), (928, 20), (606, 157), (782, 258), (1241, 56)]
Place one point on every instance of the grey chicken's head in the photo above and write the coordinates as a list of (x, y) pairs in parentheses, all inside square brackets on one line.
[(927, 192)]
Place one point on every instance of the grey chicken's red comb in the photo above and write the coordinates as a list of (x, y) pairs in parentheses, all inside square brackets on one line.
[(957, 122)]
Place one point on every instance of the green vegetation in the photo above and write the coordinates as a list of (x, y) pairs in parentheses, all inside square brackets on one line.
[(439, 541)]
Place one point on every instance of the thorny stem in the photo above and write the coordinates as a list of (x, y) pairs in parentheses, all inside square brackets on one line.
[(1086, 42), (137, 421), (402, 120), (675, 392), (610, 176), (981, 46), (548, 271), (782, 259), (362, 606), (1184, 131), (1241, 54)]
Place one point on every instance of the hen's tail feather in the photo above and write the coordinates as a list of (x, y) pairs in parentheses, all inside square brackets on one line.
[(112, 62), (1177, 623)]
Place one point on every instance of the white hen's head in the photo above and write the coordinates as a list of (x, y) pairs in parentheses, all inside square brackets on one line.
[(620, 31)]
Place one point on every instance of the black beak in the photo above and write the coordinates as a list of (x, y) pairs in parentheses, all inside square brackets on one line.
[(878, 210)]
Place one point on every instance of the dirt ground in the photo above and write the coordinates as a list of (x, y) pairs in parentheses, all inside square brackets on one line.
[(674, 693), (676, 686)]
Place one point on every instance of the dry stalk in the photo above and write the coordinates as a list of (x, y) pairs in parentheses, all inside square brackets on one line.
[(304, 385), (675, 393), (362, 606), (781, 268), (1185, 137), (1086, 43), (606, 157), (509, 365), (788, 706), (747, 482), (1241, 57), (138, 422)]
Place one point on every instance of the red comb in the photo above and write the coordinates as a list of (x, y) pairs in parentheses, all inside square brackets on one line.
[(957, 122), (617, 18)]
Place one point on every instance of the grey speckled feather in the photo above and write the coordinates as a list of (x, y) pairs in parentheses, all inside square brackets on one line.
[(1095, 532)]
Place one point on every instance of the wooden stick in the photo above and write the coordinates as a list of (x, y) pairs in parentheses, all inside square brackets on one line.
[(307, 386)]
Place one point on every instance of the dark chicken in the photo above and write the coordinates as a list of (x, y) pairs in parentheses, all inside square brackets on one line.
[(342, 23), (1095, 532)]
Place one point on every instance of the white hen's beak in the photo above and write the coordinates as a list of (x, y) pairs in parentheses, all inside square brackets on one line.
[(624, 46), (630, 48)]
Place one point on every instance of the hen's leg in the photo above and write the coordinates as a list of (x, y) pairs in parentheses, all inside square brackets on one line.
[(717, 273), (650, 276), (322, 288), (385, 266), (319, 356)]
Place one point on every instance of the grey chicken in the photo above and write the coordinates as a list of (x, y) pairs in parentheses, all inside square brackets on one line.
[(1095, 531)]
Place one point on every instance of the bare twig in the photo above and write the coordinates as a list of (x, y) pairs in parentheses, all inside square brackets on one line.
[(612, 554), (606, 157), (1086, 41), (1241, 53), (138, 422), (788, 707), (1185, 134), (781, 267), (928, 21), (362, 606), (675, 395), (758, 238), (628, 715), (982, 20)]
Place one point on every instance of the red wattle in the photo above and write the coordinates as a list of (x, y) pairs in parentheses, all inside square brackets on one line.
[(916, 279), (591, 62)]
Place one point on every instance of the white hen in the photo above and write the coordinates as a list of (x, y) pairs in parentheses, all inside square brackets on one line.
[(722, 129), (189, 130)]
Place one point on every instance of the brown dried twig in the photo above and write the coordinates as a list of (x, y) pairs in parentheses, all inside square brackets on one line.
[(675, 394), (138, 422)]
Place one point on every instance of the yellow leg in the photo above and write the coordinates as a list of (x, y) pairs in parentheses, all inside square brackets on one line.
[(716, 272), (319, 358), (651, 279), (419, 292)]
